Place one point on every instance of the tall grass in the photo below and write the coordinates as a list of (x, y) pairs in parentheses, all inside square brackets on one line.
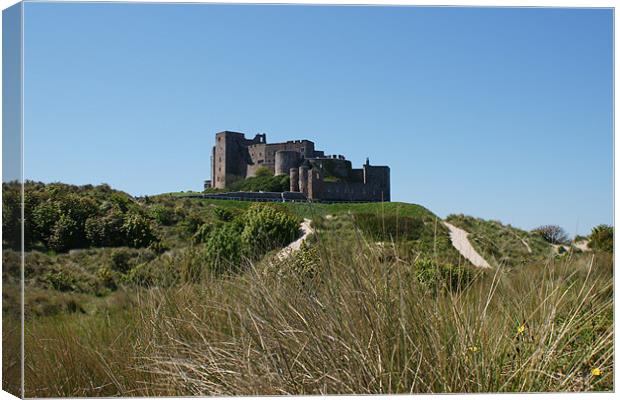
[(351, 320)]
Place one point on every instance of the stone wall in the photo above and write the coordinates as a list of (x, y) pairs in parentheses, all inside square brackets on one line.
[(374, 185), (264, 155), (234, 157)]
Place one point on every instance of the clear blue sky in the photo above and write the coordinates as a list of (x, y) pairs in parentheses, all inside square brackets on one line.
[(497, 113)]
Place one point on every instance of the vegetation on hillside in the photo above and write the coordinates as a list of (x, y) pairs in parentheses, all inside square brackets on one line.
[(353, 322), (553, 234), (263, 181), (61, 217), (500, 244), (602, 238), (376, 301)]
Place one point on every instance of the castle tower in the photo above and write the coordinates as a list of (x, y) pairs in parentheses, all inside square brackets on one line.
[(303, 179), (285, 160), (231, 157), (315, 181), (294, 178)]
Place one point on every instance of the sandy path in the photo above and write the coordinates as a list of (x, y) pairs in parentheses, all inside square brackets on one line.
[(582, 245), (527, 246), (306, 230), (460, 242)]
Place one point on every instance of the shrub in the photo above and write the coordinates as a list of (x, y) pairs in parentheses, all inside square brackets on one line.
[(120, 260), (280, 183), (138, 230), (107, 230), (266, 228), (602, 238), (263, 171), (106, 277), (65, 234), (190, 224), (163, 215), (203, 233), (223, 250), (44, 217), (11, 215), (162, 272), (552, 234), (223, 214), (437, 275)]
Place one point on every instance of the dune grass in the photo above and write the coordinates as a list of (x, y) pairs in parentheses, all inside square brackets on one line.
[(503, 245), (343, 318)]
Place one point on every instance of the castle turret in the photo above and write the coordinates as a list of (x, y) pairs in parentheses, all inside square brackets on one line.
[(294, 178), (315, 183), (285, 160), (303, 179)]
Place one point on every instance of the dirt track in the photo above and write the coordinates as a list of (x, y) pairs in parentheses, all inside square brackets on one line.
[(306, 230), (460, 242)]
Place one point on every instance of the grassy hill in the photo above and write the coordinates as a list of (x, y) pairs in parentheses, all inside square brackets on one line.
[(121, 291), (500, 244)]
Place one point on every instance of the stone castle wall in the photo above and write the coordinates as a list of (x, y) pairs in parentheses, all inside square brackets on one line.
[(234, 157), (374, 187)]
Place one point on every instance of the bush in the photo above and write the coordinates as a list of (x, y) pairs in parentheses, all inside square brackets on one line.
[(120, 260), (280, 183), (162, 272), (602, 238), (266, 228), (44, 217), (223, 250), (65, 234), (138, 230), (203, 233), (437, 275), (106, 277), (163, 215), (190, 224), (107, 230), (11, 215), (223, 214), (263, 171), (552, 234)]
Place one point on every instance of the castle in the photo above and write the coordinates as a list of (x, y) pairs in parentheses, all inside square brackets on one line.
[(311, 172)]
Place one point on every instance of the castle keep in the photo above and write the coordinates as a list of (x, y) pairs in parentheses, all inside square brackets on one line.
[(311, 172)]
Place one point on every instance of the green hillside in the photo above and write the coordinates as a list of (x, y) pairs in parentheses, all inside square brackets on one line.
[(121, 291), (501, 244)]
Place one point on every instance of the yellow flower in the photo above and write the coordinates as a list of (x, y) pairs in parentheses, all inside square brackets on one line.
[(473, 349), (521, 329), (596, 372)]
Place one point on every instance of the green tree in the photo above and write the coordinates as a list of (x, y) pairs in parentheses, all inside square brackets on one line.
[(44, 218), (11, 215), (106, 230), (602, 238), (65, 235), (552, 234), (138, 230)]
